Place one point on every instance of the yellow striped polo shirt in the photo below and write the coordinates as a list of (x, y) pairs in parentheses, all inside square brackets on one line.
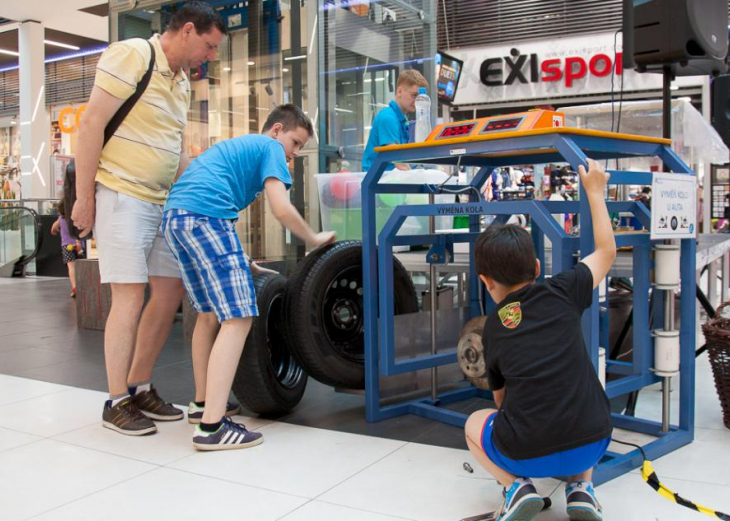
[(142, 157)]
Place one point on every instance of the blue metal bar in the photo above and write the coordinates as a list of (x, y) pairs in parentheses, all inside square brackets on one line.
[(432, 412), (575, 156), (641, 332), (617, 367), (538, 242), (641, 425), (370, 292), (687, 331), (629, 384), (624, 177), (673, 161)]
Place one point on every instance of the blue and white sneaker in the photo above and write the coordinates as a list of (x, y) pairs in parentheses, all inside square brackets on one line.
[(195, 412), (582, 502), (229, 436), (521, 502)]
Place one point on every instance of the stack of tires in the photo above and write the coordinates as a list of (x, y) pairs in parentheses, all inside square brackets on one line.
[(311, 324)]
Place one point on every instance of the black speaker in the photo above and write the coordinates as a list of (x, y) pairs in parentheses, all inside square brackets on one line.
[(690, 36), (721, 106)]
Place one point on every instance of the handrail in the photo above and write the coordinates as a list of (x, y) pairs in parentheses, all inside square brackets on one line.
[(38, 229)]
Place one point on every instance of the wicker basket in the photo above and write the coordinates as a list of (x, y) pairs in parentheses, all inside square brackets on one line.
[(717, 336)]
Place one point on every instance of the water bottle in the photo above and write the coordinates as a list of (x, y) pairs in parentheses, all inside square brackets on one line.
[(423, 115)]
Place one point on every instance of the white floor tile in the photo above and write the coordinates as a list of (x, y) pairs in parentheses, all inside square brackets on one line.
[(692, 462), (10, 439), (47, 474), (319, 511), (296, 460), (629, 498), (172, 441), (166, 494), (14, 389), (55, 413), (422, 482)]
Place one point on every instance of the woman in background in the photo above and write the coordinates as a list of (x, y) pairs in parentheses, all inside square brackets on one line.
[(70, 248)]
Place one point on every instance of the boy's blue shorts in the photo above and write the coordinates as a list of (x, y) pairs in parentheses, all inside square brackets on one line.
[(214, 269), (565, 463)]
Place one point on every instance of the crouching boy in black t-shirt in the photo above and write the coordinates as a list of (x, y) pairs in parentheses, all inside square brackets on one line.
[(553, 417)]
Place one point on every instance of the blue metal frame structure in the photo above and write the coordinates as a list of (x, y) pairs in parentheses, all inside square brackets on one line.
[(566, 146)]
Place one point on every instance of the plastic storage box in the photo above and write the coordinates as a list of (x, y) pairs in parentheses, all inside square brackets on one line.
[(340, 202)]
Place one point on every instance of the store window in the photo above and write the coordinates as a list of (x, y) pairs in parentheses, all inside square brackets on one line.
[(363, 48), (234, 94)]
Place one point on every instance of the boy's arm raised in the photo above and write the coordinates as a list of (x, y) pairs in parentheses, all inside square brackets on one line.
[(287, 214), (594, 182)]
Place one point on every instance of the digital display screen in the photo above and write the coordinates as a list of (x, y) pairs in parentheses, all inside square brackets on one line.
[(448, 70), (456, 131), (502, 124)]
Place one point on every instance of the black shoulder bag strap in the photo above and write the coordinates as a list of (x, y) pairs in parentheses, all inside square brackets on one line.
[(69, 181), (127, 106)]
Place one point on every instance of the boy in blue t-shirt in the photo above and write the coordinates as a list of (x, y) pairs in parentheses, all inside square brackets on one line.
[(199, 226), (390, 126), (552, 417)]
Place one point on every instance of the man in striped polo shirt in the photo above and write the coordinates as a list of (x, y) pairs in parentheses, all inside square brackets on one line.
[(121, 190)]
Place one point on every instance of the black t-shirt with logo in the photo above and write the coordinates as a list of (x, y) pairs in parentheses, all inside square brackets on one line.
[(534, 345)]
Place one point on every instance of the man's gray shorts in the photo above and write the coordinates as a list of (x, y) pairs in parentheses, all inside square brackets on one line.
[(127, 233)]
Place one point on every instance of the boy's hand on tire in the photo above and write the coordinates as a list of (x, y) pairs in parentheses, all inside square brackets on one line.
[(323, 238)]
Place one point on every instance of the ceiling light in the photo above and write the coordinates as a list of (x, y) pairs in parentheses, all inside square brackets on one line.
[(64, 45), (300, 57), (251, 63), (11, 53), (285, 69), (226, 69), (12, 122)]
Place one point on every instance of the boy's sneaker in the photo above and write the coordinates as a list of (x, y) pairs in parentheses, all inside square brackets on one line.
[(229, 436), (195, 412), (126, 418), (582, 502), (521, 502), (155, 408)]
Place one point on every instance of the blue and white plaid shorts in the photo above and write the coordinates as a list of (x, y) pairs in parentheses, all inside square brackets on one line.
[(214, 269)]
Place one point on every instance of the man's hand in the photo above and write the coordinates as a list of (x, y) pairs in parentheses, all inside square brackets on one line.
[(594, 182), (83, 215), (323, 238), (258, 270)]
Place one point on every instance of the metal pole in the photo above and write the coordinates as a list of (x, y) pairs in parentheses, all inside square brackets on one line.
[(434, 304), (668, 294), (666, 387)]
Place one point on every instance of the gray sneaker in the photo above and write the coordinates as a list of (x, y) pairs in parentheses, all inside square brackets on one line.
[(581, 501), (229, 436), (126, 418)]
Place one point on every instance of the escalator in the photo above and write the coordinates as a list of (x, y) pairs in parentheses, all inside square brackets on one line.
[(20, 239)]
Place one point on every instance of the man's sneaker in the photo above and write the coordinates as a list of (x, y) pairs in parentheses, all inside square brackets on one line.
[(521, 502), (229, 436), (582, 502), (195, 412), (126, 418), (155, 408)]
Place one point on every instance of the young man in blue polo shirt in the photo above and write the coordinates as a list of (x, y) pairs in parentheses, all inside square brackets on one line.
[(390, 126)]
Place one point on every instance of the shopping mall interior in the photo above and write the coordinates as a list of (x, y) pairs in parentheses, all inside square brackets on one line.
[(359, 389)]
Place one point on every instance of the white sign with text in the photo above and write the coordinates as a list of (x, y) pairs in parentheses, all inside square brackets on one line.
[(542, 70), (673, 206)]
